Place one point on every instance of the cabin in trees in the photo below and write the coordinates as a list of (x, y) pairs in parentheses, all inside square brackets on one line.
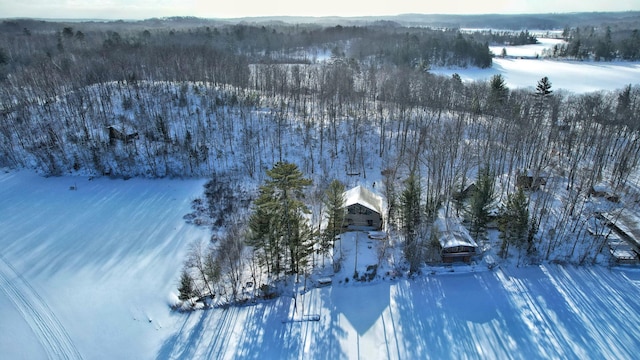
[(466, 193), (530, 181), (604, 191), (115, 134), (364, 209), (622, 252), (455, 242), (624, 247)]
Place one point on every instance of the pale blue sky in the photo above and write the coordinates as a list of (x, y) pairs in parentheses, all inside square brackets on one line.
[(141, 9)]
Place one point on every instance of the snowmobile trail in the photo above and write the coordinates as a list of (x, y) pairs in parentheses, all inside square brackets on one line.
[(47, 328)]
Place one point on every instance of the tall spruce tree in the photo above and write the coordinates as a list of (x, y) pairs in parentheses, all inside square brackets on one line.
[(334, 203), (278, 226), (499, 90), (301, 243), (543, 89), (481, 203), (411, 220), (543, 93), (624, 105), (513, 222), (265, 235), (187, 287)]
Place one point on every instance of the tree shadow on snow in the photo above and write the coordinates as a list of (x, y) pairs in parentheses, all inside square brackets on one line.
[(181, 343), (265, 335), (208, 329), (273, 331), (446, 317)]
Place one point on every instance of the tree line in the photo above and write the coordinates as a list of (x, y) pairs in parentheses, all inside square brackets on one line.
[(600, 44)]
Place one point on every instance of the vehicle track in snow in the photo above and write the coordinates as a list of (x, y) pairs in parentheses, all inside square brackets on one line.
[(50, 333)]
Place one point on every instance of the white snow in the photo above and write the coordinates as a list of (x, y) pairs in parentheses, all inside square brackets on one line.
[(13, 323), (452, 233), (93, 271), (102, 260), (573, 76), (531, 50), (363, 196), (358, 251)]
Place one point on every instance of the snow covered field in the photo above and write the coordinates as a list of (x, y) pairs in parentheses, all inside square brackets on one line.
[(532, 50), (574, 76), (89, 272)]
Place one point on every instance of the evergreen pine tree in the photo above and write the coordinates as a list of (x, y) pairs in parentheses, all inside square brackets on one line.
[(334, 202), (543, 89), (499, 90), (186, 289), (277, 224), (543, 92), (481, 203), (624, 105), (411, 220), (301, 243), (514, 224), (264, 234)]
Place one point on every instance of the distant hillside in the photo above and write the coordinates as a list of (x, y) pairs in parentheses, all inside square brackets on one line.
[(524, 21), (628, 19)]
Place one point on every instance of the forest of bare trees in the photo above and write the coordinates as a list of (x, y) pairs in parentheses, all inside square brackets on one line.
[(237, 99)]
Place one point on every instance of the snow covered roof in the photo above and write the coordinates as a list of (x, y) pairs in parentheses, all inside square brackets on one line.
[(364, 197), (625, 222), (452, 233), (601, 187), (620, 249)]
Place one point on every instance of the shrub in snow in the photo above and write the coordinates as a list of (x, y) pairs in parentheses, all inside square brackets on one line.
[(173, 301)]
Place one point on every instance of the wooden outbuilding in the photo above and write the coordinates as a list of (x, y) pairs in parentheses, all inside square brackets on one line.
[(530, 182), (115, 134)]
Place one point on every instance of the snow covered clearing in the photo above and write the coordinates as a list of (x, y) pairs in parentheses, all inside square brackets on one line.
[(574, 76), (46, 327), (90, 273), (532, 50)]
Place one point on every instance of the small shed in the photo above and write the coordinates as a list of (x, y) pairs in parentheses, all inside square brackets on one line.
[(604, 191), (455, 241), (115, 134), (530, 181), (626, 224), (364, 209), (621, 251), (466, 193)]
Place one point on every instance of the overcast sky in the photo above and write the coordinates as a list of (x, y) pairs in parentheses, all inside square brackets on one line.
[(142, 9)]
